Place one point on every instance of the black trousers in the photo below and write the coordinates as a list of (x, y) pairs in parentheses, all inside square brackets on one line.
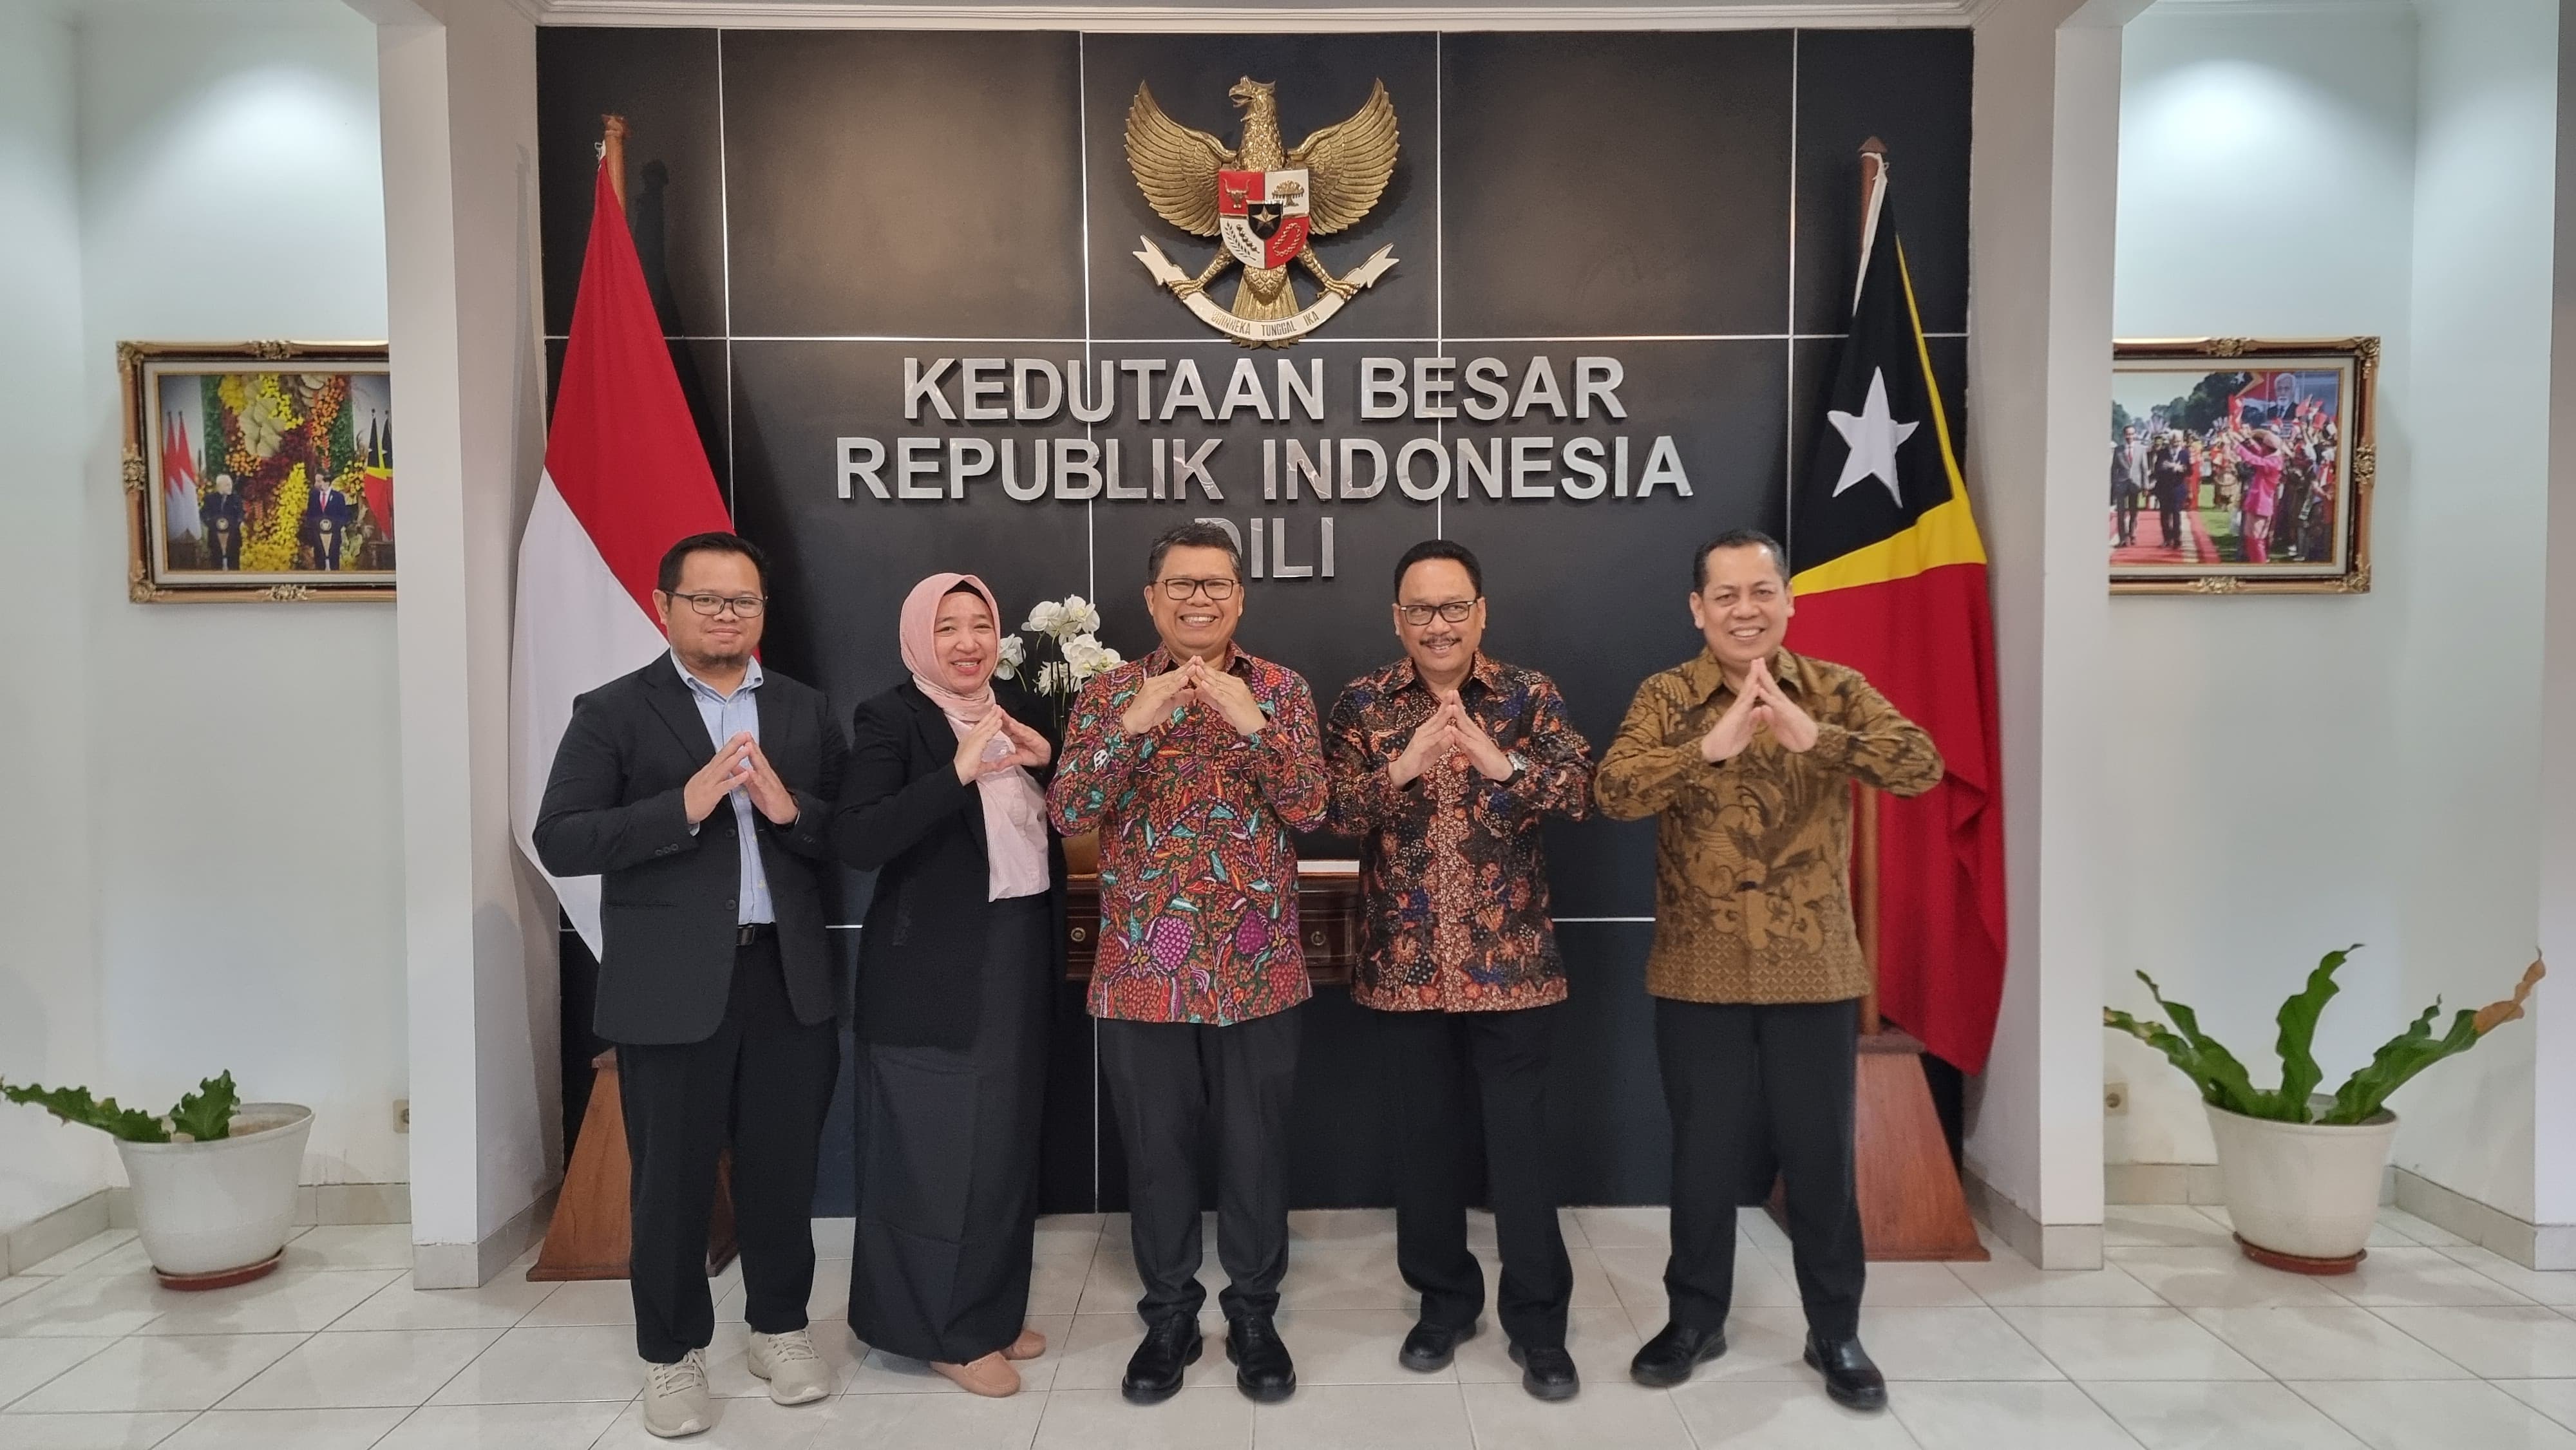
[(1436, 1059), (1752, 1088), (760, 1085), (1168, 1083), (948, 1161)]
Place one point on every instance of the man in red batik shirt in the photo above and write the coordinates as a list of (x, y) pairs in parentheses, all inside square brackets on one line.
[(1195, 763)]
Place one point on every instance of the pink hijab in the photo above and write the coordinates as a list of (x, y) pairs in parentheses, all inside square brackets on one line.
[(1015, 840), (920, 638)]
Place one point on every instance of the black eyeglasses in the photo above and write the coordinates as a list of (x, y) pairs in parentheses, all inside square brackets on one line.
[(744, 606), (1219, 590), (1418, 615)]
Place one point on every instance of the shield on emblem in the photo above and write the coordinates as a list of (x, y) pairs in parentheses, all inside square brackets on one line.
[(1262, 215)]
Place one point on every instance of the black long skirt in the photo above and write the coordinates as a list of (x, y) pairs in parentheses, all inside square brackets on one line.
[(947, 1164)]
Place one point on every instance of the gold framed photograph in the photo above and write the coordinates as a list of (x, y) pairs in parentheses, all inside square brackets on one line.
[(258, 471), (2241, 466)]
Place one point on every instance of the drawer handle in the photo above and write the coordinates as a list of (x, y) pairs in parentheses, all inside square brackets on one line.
[(1082, 933), (1314, 938)]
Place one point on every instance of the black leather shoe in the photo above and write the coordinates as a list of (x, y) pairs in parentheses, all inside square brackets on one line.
[(1671, 1355), (1262, 1368), (1547, 1374), (1154, 1372), (1850, 1378), (1431, 1346)]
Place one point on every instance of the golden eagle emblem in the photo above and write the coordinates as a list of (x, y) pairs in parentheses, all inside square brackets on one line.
[(1265, 203)]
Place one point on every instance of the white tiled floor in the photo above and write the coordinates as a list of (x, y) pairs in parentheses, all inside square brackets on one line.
[(2179, 1344)]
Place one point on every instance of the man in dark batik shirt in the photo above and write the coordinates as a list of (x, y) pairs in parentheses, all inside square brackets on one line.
[(1442, 764)]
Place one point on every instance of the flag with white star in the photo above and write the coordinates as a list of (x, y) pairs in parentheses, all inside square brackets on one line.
[(1883, 460), (1889, 577)]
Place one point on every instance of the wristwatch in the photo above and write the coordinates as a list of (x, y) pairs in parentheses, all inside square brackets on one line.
[(1520, 763)]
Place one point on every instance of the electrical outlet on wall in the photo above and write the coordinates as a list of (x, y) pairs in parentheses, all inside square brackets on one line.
[(402, 1115), (2115, 1098)]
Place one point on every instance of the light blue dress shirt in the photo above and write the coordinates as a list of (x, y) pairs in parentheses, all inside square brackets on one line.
[(728, 716)]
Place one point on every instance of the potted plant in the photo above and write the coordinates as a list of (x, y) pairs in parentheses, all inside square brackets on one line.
[(213, 1179), (2301, 1170)]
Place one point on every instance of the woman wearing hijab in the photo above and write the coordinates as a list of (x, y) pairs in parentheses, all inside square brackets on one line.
[(964, 943)]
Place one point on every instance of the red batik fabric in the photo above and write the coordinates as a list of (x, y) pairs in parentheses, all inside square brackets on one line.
[(1198, 872)]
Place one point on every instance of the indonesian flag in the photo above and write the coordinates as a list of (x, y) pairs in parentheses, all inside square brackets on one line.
[(179, 480), (625, 477), (1892, 581)]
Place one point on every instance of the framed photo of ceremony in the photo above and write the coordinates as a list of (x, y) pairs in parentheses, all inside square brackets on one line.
[(258, 471), (2241, 466)]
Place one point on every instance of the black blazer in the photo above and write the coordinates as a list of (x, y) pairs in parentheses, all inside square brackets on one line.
[(667, 898), (904, 815)]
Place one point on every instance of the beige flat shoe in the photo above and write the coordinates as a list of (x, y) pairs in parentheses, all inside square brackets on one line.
[(1029, 1345), (991, 1376)]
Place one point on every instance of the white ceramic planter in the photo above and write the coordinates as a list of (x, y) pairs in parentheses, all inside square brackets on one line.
[(210, 1208), (2302, 1188)]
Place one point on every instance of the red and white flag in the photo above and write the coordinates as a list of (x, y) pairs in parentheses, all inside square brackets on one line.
[(625, 477)]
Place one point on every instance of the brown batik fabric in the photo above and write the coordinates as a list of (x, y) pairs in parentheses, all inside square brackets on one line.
[(1453, 880), (1753, 854)]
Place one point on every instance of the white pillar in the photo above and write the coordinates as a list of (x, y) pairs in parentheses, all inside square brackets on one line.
[(458, 88), (2042, 207), (2553, 1013)]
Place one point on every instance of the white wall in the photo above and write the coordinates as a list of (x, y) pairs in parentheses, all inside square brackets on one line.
[(249, 902), (2288, 772), (49, 1019), (218, 883), (2469, 567), (2252, 739)]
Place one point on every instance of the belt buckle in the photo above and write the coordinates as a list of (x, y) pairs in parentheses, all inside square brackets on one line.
[(745, 934)]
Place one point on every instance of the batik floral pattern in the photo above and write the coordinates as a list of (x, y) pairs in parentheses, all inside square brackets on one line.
[(1198, 872), (1753, 855), (1453, 879)]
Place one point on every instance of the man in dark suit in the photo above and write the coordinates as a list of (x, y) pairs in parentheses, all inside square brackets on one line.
[(221, 513), (325, 523), (2128, 482), (700, 789)]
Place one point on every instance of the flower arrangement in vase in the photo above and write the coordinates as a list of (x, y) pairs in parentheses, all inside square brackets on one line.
[(1057, 652), (1060, 653)]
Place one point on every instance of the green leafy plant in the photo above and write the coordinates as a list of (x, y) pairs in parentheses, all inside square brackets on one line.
[(2224, 1083), (201, 1117)]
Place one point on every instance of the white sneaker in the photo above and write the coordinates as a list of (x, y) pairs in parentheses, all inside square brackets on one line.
[(675, 1397), (796, 1374)]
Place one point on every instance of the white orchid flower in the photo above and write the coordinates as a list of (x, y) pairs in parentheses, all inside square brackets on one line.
[(1079, 618), (1044, 618), (1014, 655)]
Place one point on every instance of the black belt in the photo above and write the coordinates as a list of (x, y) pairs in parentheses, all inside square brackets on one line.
[(757, 931)]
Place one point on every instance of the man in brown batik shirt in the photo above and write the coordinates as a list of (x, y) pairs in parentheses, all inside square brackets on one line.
[(1746, 755), (1444, 764)]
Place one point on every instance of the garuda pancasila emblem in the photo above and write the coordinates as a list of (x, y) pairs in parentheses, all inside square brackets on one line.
[(1266, 204)]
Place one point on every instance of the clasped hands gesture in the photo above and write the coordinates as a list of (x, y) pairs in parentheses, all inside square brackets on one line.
[(1759, 706), (1028, 747), (739, 764), (1195, 683), (1447, 735)]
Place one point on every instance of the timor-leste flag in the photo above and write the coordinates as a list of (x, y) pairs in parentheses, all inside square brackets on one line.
[(1890, 579)]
